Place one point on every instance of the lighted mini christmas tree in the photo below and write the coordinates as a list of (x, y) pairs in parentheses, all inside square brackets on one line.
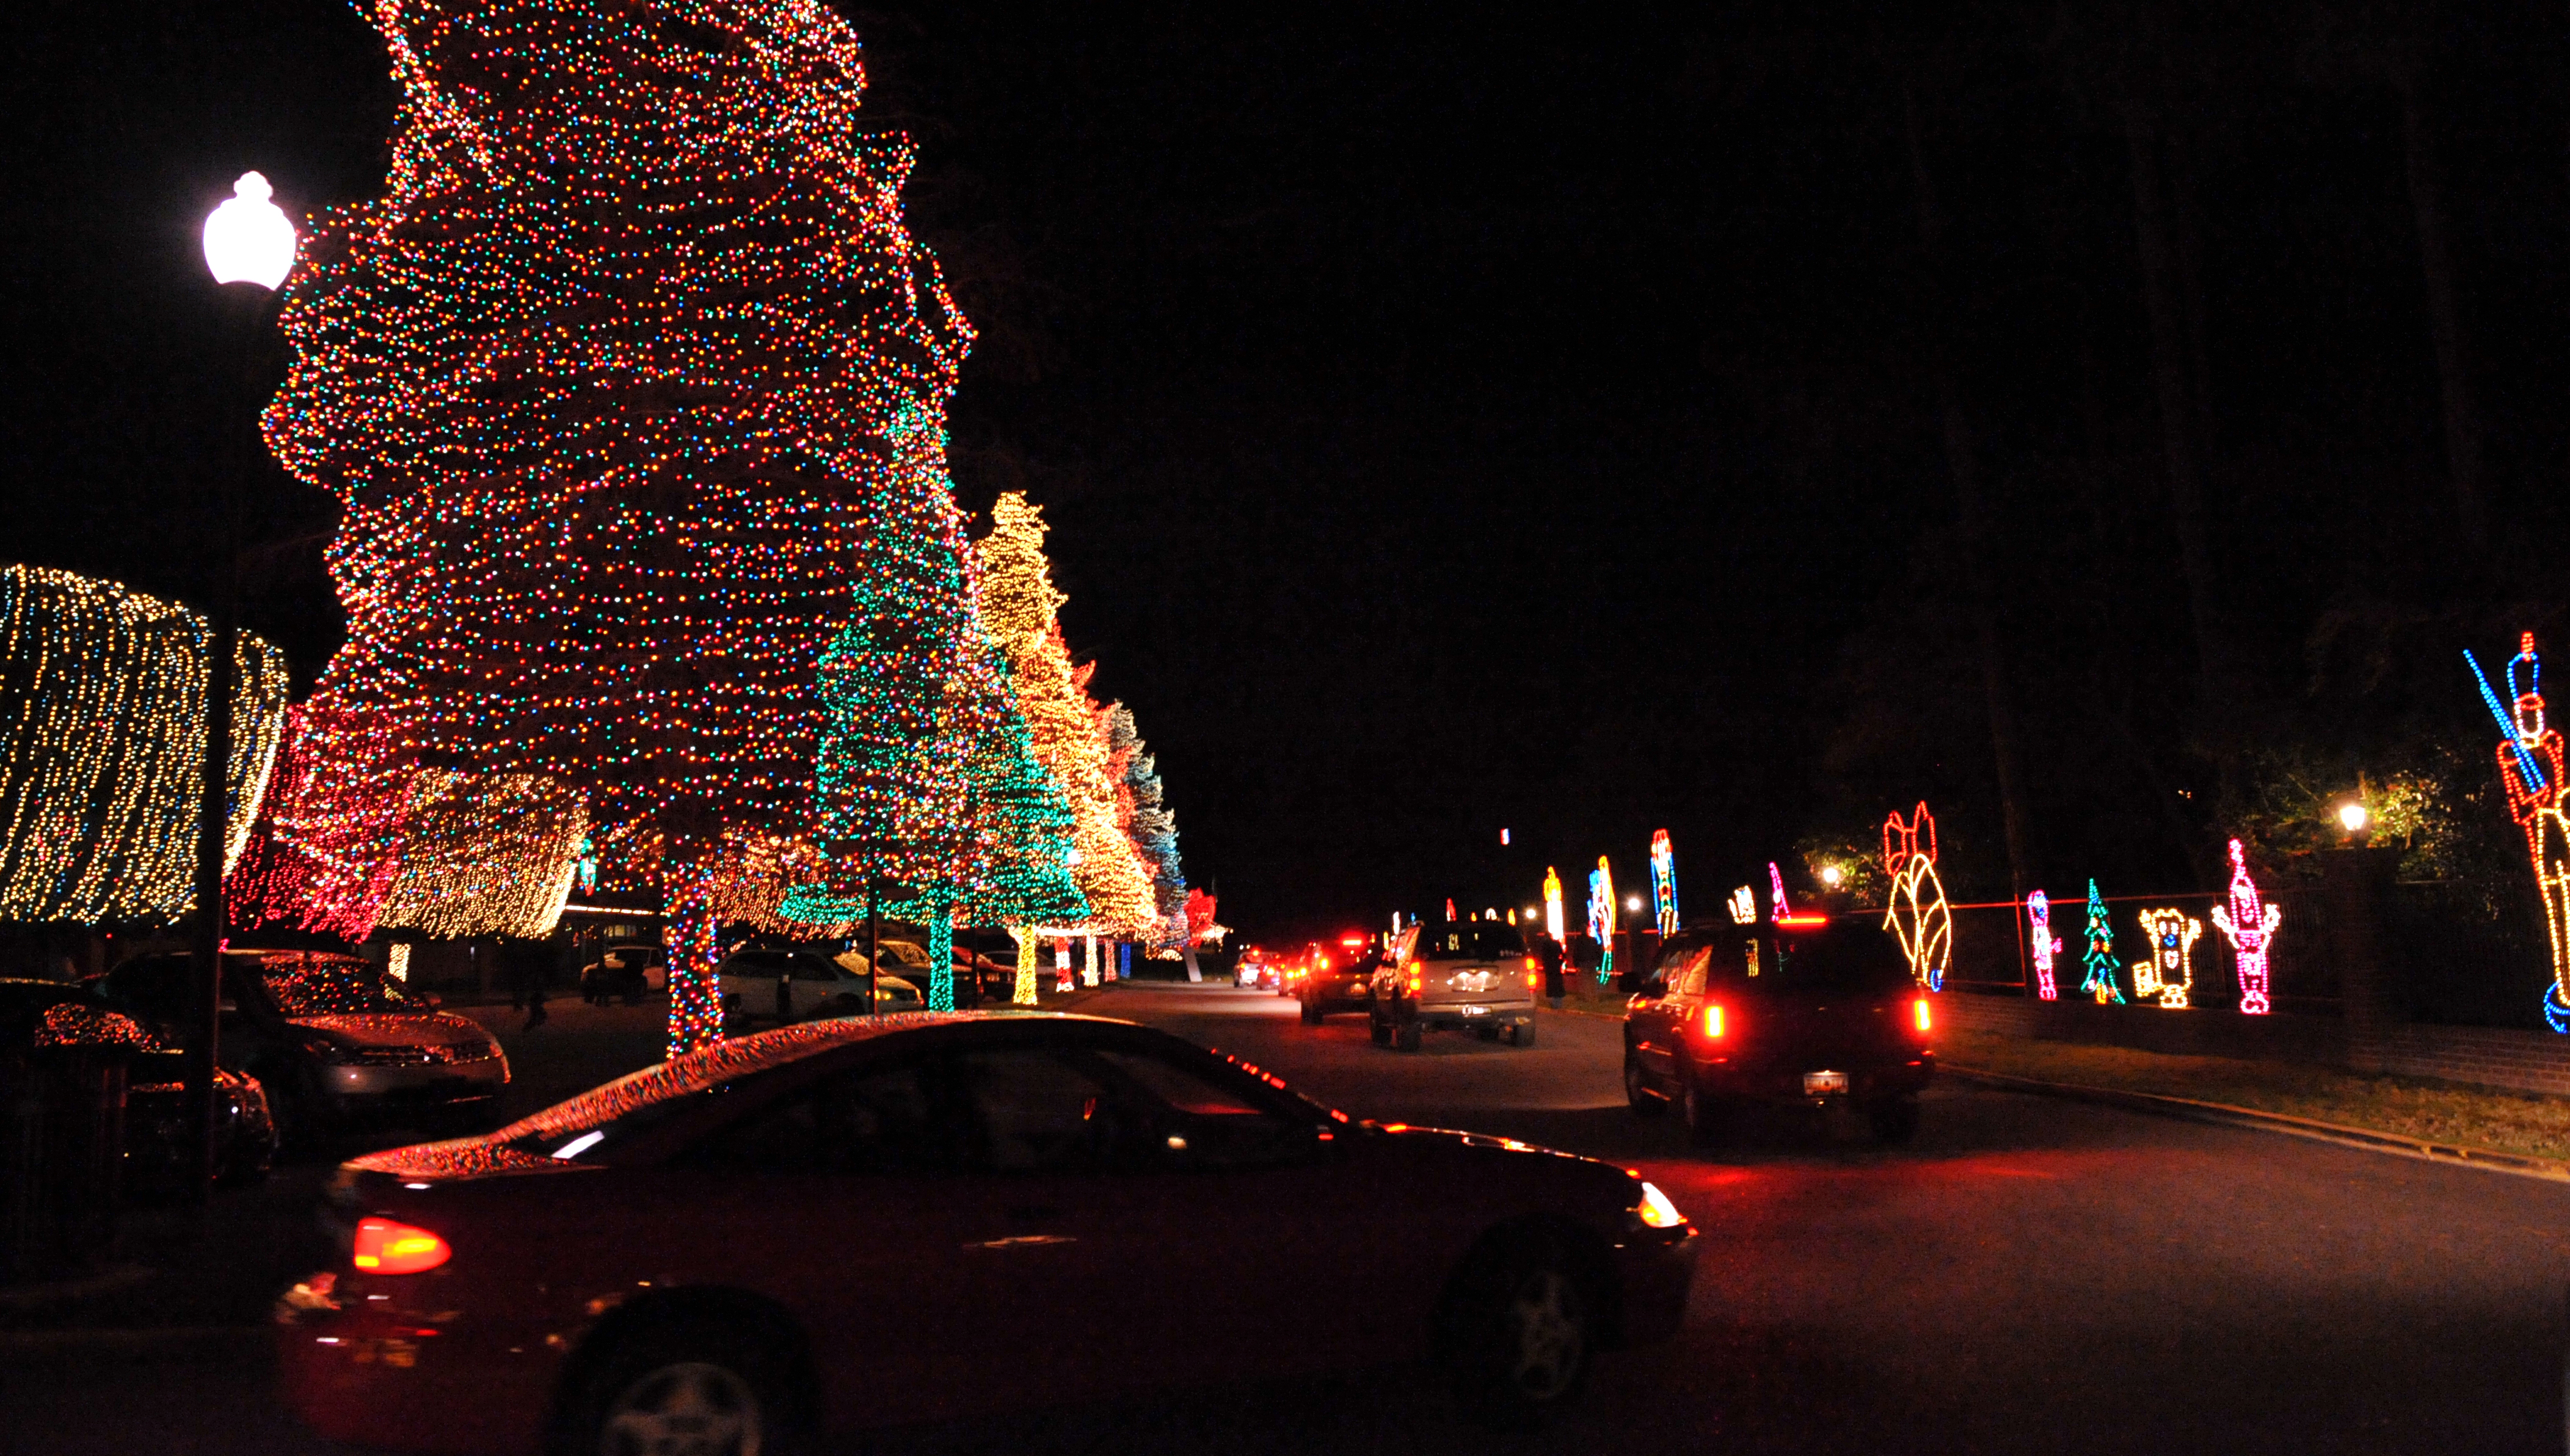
[(1017, 606), (616, 383)]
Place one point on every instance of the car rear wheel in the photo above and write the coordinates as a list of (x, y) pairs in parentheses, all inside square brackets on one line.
[(1517, 1333), (1310, 1013), (1639, 1095), (1894, 1120), (1377, 1030), (1404, 1036), (1706, 1117), (700, 1389), (1523, 1035)]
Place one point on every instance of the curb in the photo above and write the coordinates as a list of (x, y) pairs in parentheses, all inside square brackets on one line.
[(2224, 1115)]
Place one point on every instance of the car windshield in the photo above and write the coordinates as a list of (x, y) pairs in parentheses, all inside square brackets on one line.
[(1856, 959), (326, 985), (1471, 940)]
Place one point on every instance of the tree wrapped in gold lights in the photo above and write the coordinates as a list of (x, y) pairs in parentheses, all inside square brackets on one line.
[(611, 382), (1019, 606), (102, 743)]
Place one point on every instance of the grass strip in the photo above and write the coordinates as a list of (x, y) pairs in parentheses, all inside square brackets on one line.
[(2410, 1106)]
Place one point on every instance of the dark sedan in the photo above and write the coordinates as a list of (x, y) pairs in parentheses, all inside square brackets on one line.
[(1121, 1209), (158, 1142)]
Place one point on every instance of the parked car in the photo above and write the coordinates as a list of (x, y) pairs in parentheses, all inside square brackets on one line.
[(1798, 1014), (1346, 986), (624, 973), (751, 982), (1456, 975), (159, 1142), (1049, 1178), (337, 1044)]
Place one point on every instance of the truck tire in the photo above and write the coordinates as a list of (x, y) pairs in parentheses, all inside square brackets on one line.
[(1405, 1037)]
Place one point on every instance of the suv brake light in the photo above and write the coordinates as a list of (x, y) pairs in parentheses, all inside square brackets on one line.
[(387, 1248), (1919, 1013), (1713, 1022)]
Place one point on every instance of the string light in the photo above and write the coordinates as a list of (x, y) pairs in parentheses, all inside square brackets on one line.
[(2038, 914), (103, 691), (485, 855), (1744, 906), (1664, 882), (2100, 983), (1776, 891), (613, 384), (1916, 912), (2529, 747), (2170, 972), (325, 847), (1553, 920)]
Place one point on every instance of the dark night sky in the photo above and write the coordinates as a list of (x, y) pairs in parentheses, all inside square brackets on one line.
[(1523, 422)]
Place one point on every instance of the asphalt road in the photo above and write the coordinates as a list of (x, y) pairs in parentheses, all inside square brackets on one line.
[(2029, 1275)]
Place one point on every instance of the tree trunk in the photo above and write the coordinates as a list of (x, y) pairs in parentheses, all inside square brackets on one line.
[(1971, 519), (2444, 312), (688, 933), (2176, 398)]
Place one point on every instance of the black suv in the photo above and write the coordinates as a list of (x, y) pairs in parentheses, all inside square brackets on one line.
[(1800, 1013)]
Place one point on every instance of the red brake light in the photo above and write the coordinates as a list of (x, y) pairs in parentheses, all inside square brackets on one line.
[(387, 1248), (1533, 979), (1919, 1012), (1713, 1022)]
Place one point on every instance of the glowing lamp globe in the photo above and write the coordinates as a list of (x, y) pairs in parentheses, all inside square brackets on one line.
[(2353, 817), (1831, 876), (247, 240), (1633, 904)]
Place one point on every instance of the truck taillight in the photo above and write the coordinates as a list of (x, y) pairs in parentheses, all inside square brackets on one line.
[(1713, 1022), (1533, 979), (1919, 1013), (387, 1248)]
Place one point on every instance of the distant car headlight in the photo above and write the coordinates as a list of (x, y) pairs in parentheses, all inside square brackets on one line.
[(1655, 1211)]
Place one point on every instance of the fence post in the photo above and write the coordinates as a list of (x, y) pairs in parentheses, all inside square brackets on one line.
[(2356, 897)]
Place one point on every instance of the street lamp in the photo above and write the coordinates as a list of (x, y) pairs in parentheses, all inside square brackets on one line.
[(2357, 820), (1831, 876), (250, 249)]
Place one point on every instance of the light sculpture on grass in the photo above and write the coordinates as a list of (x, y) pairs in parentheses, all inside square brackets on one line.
[(2249, 926), (1917, 913), (2100, 983), (1664, 882), (2042, 943), (1601, 917), (102, 748), (2169, 974), (611, 383), (2531, 771)]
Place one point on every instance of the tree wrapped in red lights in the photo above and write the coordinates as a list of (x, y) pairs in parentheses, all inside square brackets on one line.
[(611, 382), (325, 848)]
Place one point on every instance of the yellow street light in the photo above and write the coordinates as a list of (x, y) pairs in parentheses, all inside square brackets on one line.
[(248, 239)]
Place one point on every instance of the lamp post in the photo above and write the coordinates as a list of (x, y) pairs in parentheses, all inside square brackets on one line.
[(250, 249)]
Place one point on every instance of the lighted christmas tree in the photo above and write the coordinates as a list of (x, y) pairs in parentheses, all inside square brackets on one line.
[(1017, 607), (1147, 821), (616, 383)]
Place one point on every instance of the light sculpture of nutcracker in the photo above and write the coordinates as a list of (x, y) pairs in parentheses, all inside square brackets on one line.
[(2040, 941), (2249, 926), (2530, 770)]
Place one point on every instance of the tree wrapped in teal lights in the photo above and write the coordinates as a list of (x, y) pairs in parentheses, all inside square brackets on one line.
[(620, 383)]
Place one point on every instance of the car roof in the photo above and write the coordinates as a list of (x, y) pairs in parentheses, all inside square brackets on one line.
[(738, 1057)]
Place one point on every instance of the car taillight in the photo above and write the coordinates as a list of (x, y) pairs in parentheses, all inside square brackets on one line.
[(1919, 1012), (1713, 1023), (387, 1248), (1532, 964), (1533, 979)]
